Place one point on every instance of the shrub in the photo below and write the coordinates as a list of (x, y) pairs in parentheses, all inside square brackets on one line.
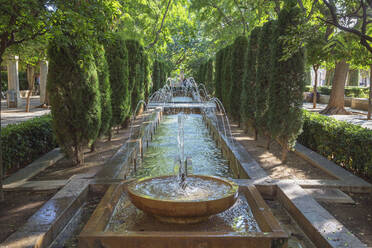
[(238, 52), (287, 83), (348, 145), (74, 95), (361, 92), (24, 142), (117, 59)]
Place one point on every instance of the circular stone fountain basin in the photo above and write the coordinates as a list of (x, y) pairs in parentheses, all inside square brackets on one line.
[(163, 198)]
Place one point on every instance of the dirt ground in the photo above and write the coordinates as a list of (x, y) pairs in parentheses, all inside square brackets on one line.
[(356, 217), (93, 161), (294, 168), (18, 207)]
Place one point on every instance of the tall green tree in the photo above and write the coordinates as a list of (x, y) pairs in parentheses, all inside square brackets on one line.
[(286, 83), (74, 95), (263, 79), (248, 107), (155, 75), (227, 77), (105, 92), (218, 74), (117, 59), (239, 49), (209, 76)]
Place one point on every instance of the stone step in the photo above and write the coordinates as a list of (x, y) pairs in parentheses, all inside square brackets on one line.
[(330, 195)]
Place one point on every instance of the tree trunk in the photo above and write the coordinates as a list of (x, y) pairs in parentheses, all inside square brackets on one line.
[(1, 155), (370, 94), (285, 150), (78, 158), (31, 83), (336, 102), (93, 147), (315, 68)]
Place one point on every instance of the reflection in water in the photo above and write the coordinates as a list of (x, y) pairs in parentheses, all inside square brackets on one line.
[(159, 158)]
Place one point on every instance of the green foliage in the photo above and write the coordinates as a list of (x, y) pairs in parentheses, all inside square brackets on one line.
[(4, 80), (308, 88), (345, 144), (350, 91), (104, 89), (146, 75), (353, 78), (74, 95), (261, 91), (136, 71), (226, 77), (209, 76), (287, 82), (218, 74), (24, 142), (249, 82), (239, 49), (117, 59), (158, 75)]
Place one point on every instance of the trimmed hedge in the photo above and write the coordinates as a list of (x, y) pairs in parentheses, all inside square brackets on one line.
[(24, 142), (348, 145), (361, 92)]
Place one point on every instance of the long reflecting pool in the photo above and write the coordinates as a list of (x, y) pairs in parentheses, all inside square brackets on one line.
[(159, 158)]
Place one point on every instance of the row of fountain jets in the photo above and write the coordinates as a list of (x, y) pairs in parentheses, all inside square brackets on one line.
[(198, 92)]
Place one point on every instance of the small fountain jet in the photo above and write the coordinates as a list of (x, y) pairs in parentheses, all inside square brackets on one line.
[(182, 172)]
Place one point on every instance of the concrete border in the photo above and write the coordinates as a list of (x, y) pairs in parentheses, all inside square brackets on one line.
[(40, 164), (44, 226)]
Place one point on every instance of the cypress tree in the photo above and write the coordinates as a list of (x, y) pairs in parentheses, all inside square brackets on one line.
[(117, 59), (163, 74), (105, 91), (146, 70), (239, 49), (263, 78), (218, 75), (74, 95), (287, 83), (154, 75), (134, 64), (209, 76), (227, 77)]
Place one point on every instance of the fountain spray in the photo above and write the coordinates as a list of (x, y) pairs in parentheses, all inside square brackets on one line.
[(182, 172)]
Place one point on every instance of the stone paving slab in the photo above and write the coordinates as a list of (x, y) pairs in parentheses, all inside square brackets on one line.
[(330, 195), (329, 167), (323, 229), (37, 185), (22, 175), (17, 115)]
